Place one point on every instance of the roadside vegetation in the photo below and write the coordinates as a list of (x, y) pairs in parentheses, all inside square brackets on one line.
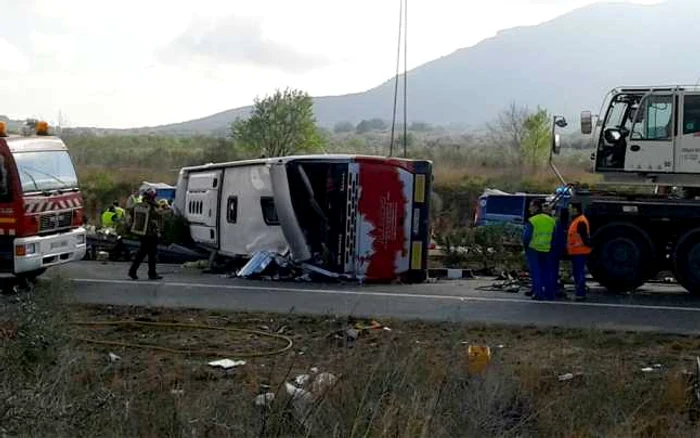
[(409, 379), (510, 153)]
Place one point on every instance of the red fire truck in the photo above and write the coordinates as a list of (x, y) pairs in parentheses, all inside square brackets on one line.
[(41, 207)]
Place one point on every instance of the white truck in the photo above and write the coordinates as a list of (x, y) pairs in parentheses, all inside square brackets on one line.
[(648, 136)]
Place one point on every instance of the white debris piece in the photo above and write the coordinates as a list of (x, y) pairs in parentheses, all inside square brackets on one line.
[(352, 334), (301, 379), (113, 357), (323, 382), (647, 370), (227, 363), (565, 377), (264, 399), (300, 396), (314, 370), (177, 391)]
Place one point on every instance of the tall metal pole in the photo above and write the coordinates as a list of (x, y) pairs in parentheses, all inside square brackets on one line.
[(405, 78), (396, 79)]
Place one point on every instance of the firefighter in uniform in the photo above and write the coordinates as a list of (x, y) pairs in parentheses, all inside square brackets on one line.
[(134, 199), (578, 245), (146, 223), (537, 240)]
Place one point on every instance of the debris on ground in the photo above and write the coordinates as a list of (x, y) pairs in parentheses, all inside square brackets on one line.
[(262, 264), (353, 331), (569, 376), (264, 399), (302, 400), (227, 363), (113, 357), (269, 265), (302, 379), (478, 358), (652, 368), (352, 334), (311, 269), (510, 282), (177, 391), (322, 383), (199, 264)]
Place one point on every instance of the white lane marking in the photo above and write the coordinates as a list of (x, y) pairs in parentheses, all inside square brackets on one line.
[(389, 295)]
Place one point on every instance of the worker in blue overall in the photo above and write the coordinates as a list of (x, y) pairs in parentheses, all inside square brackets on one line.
[(558, 249), (537, 240)]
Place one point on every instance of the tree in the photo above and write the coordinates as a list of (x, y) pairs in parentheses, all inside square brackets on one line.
[(537, 138), (281, 124), (508, 129), (371, 125), (343, 127)]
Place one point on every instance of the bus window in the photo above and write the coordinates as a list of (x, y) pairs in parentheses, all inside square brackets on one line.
[(267, 204)]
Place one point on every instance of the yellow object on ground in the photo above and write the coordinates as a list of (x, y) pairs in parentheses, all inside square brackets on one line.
[(478, 358)]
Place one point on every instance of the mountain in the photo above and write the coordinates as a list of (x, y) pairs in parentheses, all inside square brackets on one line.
[(565, 65)]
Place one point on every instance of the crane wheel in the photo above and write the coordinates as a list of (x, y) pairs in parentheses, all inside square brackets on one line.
[(686, 261), (622, 257)]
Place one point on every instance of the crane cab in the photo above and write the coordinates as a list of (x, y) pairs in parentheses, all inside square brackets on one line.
[(648, 136)]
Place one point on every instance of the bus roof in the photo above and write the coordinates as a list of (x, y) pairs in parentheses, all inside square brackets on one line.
[(18, 143), (286, 159)]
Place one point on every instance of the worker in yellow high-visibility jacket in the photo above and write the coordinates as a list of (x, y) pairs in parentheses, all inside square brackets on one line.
[(537, 240)]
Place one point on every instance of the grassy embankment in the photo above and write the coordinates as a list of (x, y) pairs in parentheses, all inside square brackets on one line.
[(410, 381)]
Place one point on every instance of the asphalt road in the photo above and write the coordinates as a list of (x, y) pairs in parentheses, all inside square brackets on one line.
[(658, 308)]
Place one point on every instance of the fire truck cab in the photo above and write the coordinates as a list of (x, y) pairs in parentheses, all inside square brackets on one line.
[(41, 206)]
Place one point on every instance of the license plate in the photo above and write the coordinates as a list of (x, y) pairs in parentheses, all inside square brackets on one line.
[(60, 244)]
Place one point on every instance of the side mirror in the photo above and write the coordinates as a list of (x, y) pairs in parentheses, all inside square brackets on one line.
[(556, 144), (612, 135), (586, 122)]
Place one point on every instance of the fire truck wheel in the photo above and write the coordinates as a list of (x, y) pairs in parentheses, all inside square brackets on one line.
[(32, 275), (686, 261), (622, 257)]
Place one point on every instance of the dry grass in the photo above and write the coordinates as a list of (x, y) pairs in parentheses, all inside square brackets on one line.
[(411, 381)]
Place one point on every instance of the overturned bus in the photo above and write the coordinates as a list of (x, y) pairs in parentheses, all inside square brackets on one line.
[(365, 217)]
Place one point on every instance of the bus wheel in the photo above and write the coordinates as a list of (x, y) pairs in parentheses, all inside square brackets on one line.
[(622, 257), (686, 261)]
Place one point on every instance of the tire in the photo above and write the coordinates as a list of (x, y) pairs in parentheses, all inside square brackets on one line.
[(622, 258), (686, 261)]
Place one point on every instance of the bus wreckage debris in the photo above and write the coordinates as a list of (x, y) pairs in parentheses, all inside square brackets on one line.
[(268, 265)]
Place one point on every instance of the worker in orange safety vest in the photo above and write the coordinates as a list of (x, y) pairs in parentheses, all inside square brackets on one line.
[(578, 246)]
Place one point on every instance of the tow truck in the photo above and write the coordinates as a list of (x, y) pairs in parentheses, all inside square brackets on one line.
[(648, 137), (41, 206)]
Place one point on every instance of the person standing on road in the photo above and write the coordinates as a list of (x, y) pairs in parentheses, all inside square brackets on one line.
[(537, 240), (578, 245), (558, 248), (148, 226)]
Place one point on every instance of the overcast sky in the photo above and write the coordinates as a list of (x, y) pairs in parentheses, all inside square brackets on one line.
[(146, 62)]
